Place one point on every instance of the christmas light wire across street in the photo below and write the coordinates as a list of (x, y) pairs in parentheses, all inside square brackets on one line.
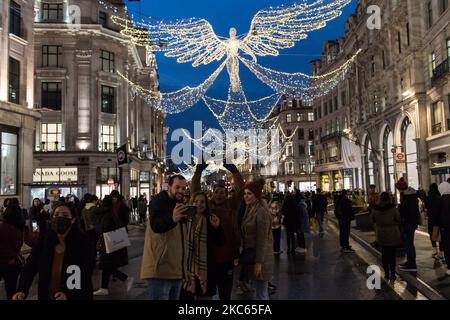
[(194, 41)]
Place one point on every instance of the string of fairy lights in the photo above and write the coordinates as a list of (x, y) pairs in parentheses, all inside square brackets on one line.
[(194, 41)]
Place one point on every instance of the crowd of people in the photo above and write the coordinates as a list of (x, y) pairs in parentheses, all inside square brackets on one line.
[(195, 241)]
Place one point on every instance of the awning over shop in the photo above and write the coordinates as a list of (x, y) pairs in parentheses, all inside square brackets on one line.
[(441, 169)]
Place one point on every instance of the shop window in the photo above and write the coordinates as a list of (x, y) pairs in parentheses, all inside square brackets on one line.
[(8, 162)]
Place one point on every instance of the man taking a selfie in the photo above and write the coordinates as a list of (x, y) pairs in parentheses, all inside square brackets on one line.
[(165, 252)]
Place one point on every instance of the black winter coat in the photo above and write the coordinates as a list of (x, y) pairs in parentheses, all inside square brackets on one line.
[(110, 222), (346, 207), (444, 216), (41, 259), (409, 209), (319, 203), (291, 211), (433, 204), (41, 217)]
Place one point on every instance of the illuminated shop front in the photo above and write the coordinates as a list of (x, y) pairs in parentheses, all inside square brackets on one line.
[(52, 183)]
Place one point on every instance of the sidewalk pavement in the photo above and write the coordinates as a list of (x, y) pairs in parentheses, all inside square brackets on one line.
[(430, 278)]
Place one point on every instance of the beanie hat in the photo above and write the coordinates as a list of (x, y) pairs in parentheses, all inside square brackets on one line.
[(401, 184), (256, 187)]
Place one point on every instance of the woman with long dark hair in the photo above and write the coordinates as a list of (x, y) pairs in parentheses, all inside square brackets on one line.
[(113, 218), (205, 235), (39, 215), (59, 254)]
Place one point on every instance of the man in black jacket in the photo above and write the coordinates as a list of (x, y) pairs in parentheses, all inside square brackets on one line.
[(345, 219), (319, 206), (444, 221), (410, 219)]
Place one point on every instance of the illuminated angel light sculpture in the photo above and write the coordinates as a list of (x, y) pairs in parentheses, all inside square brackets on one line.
[(194, 41)]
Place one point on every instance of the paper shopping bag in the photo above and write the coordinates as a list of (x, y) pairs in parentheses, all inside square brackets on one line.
[(116, 240)]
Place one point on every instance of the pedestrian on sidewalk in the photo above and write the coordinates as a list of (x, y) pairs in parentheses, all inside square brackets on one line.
[(12, 234), (303, 224), (345, 219), (290, 212), (142, 209), (444, 221), (204, 237), (410, 219), (38, 215), (386, 219), (433, 204), (320, 207), (275, 211), (115, 216), (91, 216), (227, 209), (165, 247), (53, 257), (257, 239)]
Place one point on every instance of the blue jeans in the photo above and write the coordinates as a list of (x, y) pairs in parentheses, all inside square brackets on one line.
[(408, 231), (164, 289), (262, 290)]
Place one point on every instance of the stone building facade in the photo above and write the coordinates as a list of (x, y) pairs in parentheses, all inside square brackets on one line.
[(87, 108), (17, 117), (397, 91)]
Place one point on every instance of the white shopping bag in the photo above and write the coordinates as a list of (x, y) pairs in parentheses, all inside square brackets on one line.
[(116, 240)]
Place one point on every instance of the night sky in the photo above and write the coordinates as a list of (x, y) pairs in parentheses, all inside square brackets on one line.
[(224, 14)]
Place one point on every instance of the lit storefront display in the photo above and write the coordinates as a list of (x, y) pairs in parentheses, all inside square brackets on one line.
[(51, 183), (325, 182), (8, 160), (145, 183)]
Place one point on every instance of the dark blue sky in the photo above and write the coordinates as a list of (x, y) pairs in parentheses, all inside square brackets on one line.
[(223, 14)]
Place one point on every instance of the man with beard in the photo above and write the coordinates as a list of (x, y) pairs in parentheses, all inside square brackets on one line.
[(165, 252), (227, 210)]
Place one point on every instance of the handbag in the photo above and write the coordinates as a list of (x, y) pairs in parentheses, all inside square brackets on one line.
[(436, 234), (116, 240), (248, 256)]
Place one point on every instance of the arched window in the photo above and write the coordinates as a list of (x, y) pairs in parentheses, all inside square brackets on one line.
[(370, 179), (388, 159), (410, 150)]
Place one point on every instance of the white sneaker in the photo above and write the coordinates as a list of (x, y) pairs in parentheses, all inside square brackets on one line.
[(301, 250), (129, 283), (101, 292)]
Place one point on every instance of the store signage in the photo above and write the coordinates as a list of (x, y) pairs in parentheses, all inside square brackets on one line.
[(55, 175), (400, 157)]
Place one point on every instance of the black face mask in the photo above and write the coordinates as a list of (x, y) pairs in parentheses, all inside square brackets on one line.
[(60, 224)]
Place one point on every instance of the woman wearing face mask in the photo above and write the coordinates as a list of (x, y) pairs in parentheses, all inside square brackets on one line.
[(205, 235), (257, 239), (54, 257)]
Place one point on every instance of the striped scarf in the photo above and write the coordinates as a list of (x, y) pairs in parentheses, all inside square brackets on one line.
[(197, 255)]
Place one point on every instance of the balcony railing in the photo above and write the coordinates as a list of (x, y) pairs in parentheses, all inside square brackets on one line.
[(331, 136), (109, 147), (50, 146), (441, 70), (436, 128)]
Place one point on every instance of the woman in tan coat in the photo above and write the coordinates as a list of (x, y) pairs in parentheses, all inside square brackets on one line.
[(257, 238)]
